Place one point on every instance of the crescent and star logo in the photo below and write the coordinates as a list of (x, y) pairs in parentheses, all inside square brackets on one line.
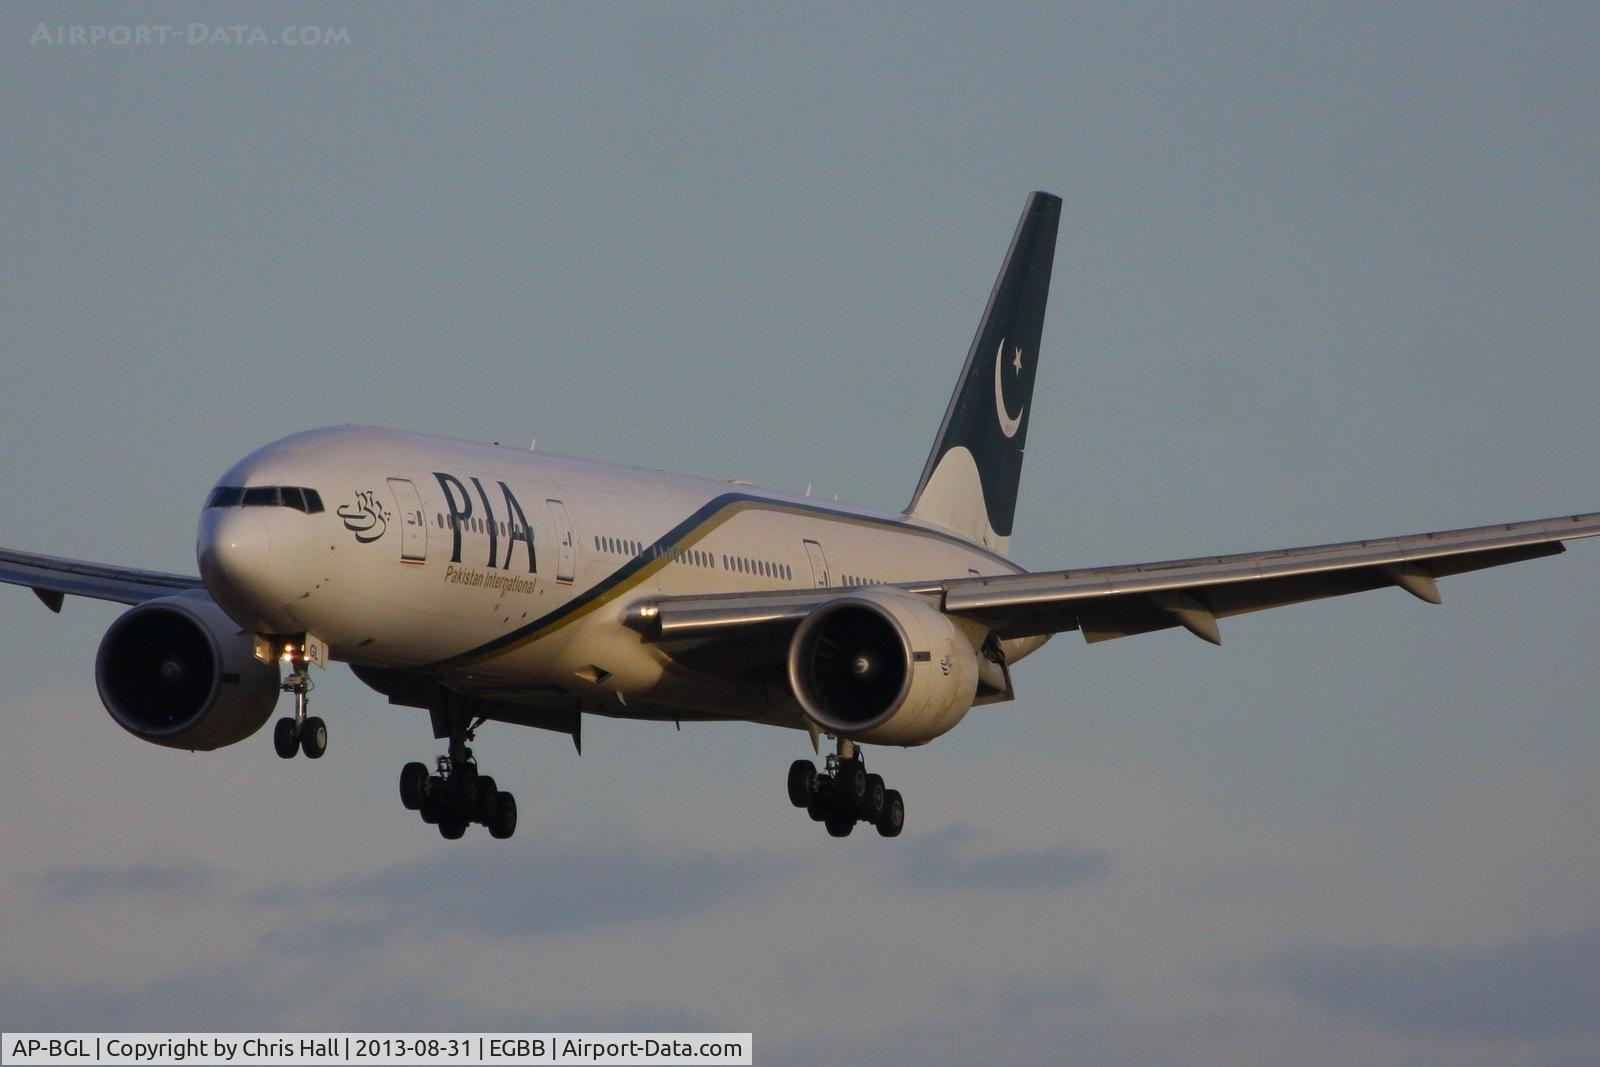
[(1008, 424)]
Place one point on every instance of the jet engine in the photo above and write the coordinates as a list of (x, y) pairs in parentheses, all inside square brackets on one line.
[(882, 666), (178, 672)]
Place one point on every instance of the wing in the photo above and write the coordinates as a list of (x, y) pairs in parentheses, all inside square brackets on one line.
[(1109, 602), (51, 578)]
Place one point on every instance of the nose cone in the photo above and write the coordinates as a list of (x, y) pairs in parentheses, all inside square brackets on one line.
[(234, 548)]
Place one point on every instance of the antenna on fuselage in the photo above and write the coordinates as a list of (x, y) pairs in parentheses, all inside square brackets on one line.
[(533, 445)]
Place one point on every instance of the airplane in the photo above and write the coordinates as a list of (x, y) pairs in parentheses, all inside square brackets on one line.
[(489, 584)]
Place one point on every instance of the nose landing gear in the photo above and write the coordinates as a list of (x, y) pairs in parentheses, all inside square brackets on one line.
[(843, 794), (456, 794), (302, 733)]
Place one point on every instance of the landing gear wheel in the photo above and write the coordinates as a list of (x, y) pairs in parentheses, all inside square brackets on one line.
[(802, 782), (876, 798), (840, 824), (285, 738), (314, 738), (471, 788), (853, 778), (818, 808), (429, 808), (488, 797), (412, 777), (456, 794), (503, 822), (894, 814)]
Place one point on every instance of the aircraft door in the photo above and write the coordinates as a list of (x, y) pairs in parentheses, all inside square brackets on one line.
[(566, 549), (413, 527), (819, 564)]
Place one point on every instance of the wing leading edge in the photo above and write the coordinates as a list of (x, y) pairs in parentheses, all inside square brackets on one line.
[(51, 578), (1109, 602)]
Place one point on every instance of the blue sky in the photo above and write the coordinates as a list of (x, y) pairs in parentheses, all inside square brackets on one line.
[(1323, 273)]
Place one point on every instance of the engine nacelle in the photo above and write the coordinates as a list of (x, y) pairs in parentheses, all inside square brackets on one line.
[(178, 672), (882, 666)]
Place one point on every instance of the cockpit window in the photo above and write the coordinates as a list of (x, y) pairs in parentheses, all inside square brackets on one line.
[(262, 496), (266, 496)]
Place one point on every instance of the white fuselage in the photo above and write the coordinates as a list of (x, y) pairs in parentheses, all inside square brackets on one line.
[(509, 571)]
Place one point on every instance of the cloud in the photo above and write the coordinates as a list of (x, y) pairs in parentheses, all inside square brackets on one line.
[(324, 995), (1019, 1019), (497, 892), (933, 862), (1544, 987), (227, 997), (61, 885)]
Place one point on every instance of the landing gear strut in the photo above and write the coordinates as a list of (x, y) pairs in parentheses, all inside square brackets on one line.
[(456, 795), (302, 733), (844, 794)]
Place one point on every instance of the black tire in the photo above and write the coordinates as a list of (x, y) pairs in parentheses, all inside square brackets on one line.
[(285, 741), (432, 799), (503, 822), (314, 738), (853, 777), (452, 829), (412, 775), (894, 814), (875, 800), (488, 797), (840, 824), (818, 808), (802, 782)]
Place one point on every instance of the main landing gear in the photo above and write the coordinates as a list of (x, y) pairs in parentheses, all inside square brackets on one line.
[(302, 733), (844, 794), (456, 795)]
